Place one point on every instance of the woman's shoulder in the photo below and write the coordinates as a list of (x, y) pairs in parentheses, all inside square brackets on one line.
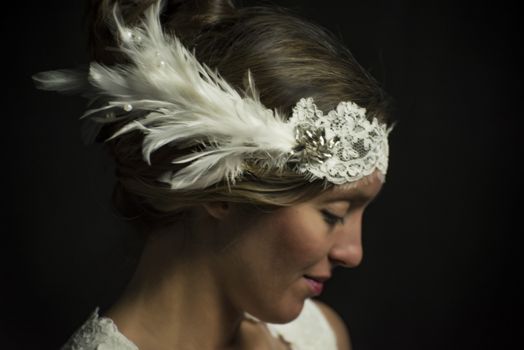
[(317, 327), (98, 333)]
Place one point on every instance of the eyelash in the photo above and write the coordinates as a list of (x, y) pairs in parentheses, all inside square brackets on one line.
[(332, 219)]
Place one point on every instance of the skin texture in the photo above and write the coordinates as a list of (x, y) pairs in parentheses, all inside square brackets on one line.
[(200, 277)]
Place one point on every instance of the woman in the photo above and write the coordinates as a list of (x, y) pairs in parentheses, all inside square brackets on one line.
[(249, 183)]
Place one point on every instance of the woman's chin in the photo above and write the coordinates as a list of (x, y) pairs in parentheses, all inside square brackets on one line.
[(283, 312)]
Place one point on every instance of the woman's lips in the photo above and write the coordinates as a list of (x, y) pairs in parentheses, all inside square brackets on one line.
[(315, 284)]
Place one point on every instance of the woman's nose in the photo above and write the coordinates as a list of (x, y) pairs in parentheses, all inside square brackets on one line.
[(347, 246)]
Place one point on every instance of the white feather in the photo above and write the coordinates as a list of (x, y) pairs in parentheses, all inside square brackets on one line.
[(184, 102), (65, 81)]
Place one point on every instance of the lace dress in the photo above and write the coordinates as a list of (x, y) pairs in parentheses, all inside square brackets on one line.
[(309, 331)]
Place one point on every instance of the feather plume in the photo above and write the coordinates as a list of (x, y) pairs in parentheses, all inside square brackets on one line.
[(182, 102)]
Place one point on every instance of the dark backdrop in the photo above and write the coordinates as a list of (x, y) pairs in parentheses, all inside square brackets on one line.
[(442, 242)]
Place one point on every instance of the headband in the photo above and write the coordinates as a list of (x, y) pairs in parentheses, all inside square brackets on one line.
[(164, 92)]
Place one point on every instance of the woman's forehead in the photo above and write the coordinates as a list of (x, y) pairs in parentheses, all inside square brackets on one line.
[(364, 189)]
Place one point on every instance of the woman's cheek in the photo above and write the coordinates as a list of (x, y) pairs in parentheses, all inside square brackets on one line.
[(300, 238)]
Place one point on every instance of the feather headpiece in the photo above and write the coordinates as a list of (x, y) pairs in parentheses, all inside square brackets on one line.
[(168, 95)]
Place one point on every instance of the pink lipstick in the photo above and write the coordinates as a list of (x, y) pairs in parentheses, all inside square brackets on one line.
[(316, 285)]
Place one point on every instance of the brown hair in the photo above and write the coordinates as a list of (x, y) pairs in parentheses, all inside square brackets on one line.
[(289, 57)]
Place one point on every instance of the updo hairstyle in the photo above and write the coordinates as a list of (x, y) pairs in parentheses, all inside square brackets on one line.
[(289, 58)]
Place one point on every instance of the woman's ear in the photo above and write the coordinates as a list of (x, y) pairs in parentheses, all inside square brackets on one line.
[(218, 210)]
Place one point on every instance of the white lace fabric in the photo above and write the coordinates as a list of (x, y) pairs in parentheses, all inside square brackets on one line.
[(310, 331), (341, 146), (98, 333)]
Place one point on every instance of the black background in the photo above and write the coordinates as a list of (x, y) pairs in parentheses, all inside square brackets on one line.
[(442, 267)]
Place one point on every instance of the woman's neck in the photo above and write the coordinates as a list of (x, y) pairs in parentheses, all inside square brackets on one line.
[(175, 301)]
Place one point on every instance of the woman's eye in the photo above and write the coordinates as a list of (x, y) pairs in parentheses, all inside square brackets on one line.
[(332, 219)]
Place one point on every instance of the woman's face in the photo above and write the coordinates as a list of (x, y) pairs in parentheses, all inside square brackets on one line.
[(281, 258)]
